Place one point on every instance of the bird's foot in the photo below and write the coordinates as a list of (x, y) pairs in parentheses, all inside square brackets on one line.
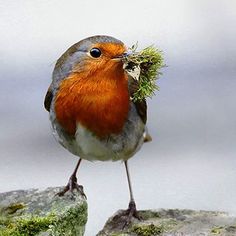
[(125, 217), (71, 186), (130, 213)]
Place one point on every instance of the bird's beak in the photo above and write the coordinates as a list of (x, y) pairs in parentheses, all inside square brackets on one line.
[(126, 54), (122, 56)]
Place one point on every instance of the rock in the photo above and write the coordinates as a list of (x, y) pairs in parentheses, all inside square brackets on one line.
[(35, 212), (173, 223)]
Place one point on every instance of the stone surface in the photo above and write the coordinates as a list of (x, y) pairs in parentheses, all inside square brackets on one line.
[(40, 212), (173, 223)]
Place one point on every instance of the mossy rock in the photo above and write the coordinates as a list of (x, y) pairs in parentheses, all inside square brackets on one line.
[(34, 212), (172, 222)]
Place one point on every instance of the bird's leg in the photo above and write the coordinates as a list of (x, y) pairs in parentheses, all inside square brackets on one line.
[(73, 184), (131, 211)]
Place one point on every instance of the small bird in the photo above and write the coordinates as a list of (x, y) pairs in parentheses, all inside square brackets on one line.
[(91, 108)]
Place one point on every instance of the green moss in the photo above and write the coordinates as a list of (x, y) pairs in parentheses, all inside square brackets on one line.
[(149, 214), (119, 234), (27, 226), (221, 229), (149, 61), (231, 228), (67, 223), (13, 208), (147, 230), (170, 224), (6, 214), (217, 230)]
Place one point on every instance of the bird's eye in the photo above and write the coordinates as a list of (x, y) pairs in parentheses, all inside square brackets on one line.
[(95, 52)]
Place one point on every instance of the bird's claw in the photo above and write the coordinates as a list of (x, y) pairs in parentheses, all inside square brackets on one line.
[(124, 217), (130, 213), (71, 186)]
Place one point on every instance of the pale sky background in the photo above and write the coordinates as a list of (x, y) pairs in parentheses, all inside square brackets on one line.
[(191, 162)]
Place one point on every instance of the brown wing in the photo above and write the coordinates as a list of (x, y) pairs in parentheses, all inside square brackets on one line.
[(141, 106), (48, 99)]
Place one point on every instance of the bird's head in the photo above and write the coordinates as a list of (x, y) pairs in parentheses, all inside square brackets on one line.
[(96, 54)]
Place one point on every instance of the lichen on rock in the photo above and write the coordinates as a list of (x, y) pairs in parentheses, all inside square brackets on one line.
[(34, 212), (173, 222)]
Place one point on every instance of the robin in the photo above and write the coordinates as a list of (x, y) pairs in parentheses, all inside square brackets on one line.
[(91, 108)]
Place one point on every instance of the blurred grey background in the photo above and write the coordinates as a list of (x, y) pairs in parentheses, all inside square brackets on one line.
[(191, 162)]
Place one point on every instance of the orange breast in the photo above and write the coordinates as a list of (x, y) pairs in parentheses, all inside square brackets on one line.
[(100, 102)]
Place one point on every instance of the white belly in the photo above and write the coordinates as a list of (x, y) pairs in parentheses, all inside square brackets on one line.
[(115, 147)]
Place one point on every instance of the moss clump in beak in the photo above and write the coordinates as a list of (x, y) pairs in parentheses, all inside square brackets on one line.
[(144, 66)]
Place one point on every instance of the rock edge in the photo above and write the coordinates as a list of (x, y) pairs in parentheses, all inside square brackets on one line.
[(39, 212), (173, 222)]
